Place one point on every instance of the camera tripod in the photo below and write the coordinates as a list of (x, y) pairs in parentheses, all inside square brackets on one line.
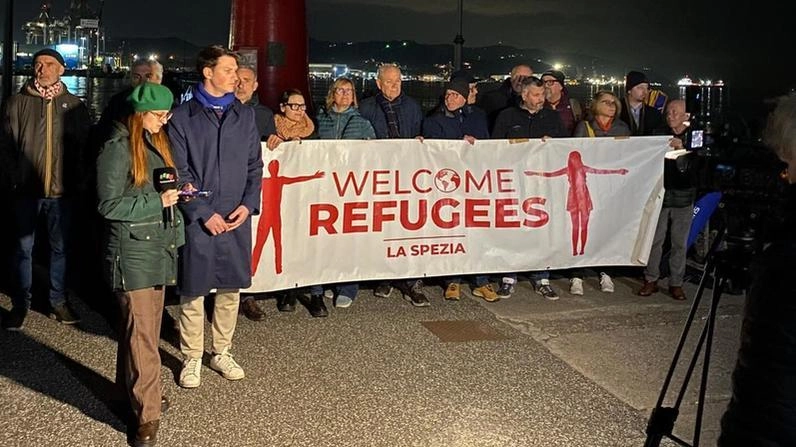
[(661, 421)]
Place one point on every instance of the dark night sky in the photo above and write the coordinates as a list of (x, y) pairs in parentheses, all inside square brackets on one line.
[(702, 38)]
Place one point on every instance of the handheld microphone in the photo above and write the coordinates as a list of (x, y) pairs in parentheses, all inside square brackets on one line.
[(166, 179)]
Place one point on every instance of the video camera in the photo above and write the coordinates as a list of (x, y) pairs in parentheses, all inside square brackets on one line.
[(746, 173)]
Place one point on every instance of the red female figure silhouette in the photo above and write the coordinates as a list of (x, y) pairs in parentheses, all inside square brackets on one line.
[(579, 204), (271, 216)]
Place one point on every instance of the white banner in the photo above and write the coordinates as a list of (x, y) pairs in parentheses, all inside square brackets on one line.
[(336, 211)]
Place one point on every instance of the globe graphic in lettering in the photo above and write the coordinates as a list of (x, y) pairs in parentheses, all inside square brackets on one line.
[(447, 180)]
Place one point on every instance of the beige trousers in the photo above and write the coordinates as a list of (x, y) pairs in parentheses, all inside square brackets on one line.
[(141, 312), (192, 322)]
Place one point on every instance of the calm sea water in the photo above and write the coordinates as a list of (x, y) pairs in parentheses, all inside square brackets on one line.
[(96, 92)]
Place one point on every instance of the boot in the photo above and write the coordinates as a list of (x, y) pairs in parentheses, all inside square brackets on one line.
[(316, 306)]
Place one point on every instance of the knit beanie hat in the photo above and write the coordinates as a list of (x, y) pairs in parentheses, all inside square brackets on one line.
[(52, 53), (558, 75), (147, 97), (459, 86), (635, 78)]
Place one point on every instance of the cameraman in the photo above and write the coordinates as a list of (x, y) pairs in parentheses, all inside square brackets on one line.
[(678, 208), (762, 410)]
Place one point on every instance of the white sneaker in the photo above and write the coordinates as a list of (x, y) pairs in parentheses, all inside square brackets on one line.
[(606, 284), (227, 366), (190, 376), (328, 293), (576, 286), (343, 301)]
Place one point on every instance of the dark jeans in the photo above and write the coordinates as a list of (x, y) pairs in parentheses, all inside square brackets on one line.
[(535, 277), (57, 215)]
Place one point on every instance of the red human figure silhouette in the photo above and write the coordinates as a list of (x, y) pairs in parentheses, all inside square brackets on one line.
[(271, 215), (579, 202)]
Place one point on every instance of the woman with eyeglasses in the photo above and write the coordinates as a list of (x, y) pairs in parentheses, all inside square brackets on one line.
[(142, 231), (604, 118), (340, 120), (603, 122), (292, 123)]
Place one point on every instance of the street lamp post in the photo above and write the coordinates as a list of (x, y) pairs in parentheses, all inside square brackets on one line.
[(458, 42), (8, 49)]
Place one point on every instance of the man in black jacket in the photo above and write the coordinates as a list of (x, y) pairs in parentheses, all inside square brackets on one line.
[(264, 118), (529, 119), (246, 93), (507, 95), (678, 208), (643, 119)]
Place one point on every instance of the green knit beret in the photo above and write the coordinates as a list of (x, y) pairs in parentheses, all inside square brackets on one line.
[(148, 97)]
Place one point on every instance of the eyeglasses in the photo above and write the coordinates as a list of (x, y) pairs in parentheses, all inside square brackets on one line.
[(549, 81), (344, 91), (162, 117), (295, 106)]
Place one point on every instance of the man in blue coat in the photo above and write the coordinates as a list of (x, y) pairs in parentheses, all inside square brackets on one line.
[(456, 119), (393, 114), (216, 147)]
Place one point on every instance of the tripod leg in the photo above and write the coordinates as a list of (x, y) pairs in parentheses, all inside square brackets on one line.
[(661, 422), (718, 284), (662, 419)]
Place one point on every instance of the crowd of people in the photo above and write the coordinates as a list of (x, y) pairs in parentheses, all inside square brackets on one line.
[(156, 233)]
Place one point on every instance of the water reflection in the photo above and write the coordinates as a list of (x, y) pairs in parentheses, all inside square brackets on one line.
[(96, 92)]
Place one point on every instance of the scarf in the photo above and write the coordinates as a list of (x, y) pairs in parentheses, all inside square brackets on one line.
[(605, 128), (391, 114), (49, 92), (293, 130), (216, 104)]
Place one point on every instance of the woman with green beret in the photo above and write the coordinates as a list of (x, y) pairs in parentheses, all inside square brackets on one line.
[(141, 234)]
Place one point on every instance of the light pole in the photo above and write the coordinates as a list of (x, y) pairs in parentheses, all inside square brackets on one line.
[(8, 49), (82, 50), (458, 42)]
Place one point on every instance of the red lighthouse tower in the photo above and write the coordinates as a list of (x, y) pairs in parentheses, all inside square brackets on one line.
[(272, 34)]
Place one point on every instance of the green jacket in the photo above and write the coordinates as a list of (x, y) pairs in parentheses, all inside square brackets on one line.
[(140, 249)]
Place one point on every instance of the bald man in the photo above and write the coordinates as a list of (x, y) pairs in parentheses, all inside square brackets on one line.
[(505, 96), (679, 180)]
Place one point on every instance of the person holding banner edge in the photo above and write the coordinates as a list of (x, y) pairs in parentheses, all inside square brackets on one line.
[(678, 208), (456, 119), (529, 119), (340, 120), (394, 114)]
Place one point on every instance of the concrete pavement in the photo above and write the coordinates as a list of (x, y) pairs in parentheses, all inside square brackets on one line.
[(580, 371)]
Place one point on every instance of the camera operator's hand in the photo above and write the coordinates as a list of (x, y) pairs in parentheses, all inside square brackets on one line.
[(676, 143)]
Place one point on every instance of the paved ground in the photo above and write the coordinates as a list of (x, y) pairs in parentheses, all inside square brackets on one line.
[(581, 371)]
